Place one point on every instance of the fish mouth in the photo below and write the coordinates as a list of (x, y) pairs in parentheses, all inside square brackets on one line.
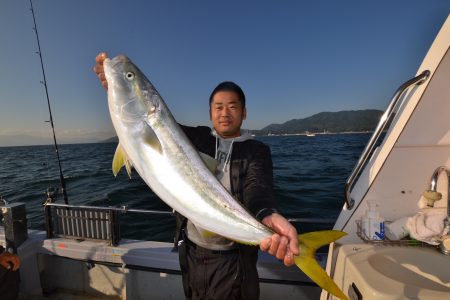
[(113, 62), (120, 58)]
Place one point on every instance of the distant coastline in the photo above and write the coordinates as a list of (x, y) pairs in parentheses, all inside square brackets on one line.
[(342, 122), (115, 139), (317, 133)]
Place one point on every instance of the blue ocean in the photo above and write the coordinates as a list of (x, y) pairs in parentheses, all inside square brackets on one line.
[(309, 178)]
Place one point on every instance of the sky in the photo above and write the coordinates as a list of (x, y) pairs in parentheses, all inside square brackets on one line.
[(293, 59)]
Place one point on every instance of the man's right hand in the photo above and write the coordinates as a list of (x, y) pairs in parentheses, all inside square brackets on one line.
[(99, 70)]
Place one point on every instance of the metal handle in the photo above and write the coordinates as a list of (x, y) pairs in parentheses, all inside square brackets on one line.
[(368, 151)]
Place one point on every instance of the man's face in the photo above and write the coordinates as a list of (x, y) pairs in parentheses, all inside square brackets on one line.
[(227, 114)]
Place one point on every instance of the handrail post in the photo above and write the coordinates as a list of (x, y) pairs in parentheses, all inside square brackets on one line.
[(368, 150)]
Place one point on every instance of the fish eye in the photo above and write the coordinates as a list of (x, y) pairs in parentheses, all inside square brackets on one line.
[(129, 75)]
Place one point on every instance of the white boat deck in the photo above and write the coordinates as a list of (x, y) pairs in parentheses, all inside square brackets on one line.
[(61, 268)]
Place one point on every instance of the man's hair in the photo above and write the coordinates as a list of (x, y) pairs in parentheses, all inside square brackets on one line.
[(228, 86)]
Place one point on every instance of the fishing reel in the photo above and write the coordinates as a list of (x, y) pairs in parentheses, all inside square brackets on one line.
[(3, 201), (52, 195)]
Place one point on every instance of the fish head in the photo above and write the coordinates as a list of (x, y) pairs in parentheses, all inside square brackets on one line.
[(131, 96)]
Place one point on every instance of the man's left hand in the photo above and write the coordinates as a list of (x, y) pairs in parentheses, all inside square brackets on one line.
[(284, 243), (9, 261)]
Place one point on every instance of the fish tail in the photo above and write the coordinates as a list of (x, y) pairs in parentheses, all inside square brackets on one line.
[(306, 261)]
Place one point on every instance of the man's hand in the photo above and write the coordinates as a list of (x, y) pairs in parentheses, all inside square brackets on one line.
[(7, 259), (98, 69), (284, 243)]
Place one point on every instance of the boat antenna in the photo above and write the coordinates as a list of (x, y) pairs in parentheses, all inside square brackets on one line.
[(44, 82)]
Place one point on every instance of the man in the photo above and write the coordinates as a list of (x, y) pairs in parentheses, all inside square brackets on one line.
[(212, 266), (9, 277)]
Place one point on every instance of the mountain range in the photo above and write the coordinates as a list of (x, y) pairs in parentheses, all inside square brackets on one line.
[(332, 122)]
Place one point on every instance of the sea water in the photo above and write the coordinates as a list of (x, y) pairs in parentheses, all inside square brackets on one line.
[(309, 178)]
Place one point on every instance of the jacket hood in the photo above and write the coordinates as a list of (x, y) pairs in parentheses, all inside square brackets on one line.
[(245, 135)]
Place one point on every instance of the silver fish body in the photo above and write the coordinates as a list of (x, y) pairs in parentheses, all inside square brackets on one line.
[(167, 161)]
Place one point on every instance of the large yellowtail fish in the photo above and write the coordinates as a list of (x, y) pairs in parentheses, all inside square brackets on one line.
[(151, 141)]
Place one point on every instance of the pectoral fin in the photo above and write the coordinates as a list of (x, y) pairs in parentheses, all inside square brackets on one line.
[(151, 139), (306, 261), (120, 159)]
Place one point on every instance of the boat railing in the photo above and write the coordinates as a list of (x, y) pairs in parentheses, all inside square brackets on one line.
[(312, 220), (103, 223), (387, 116), (79, 222)]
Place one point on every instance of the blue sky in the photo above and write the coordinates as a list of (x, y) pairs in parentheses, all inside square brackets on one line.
[(292, 58)]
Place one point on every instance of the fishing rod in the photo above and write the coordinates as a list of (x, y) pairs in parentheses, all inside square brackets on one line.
[(44, 82)]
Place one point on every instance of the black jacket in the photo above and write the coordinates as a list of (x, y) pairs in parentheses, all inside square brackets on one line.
[(251, 183)]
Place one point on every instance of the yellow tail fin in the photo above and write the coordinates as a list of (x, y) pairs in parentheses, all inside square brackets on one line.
[(306, 261)]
